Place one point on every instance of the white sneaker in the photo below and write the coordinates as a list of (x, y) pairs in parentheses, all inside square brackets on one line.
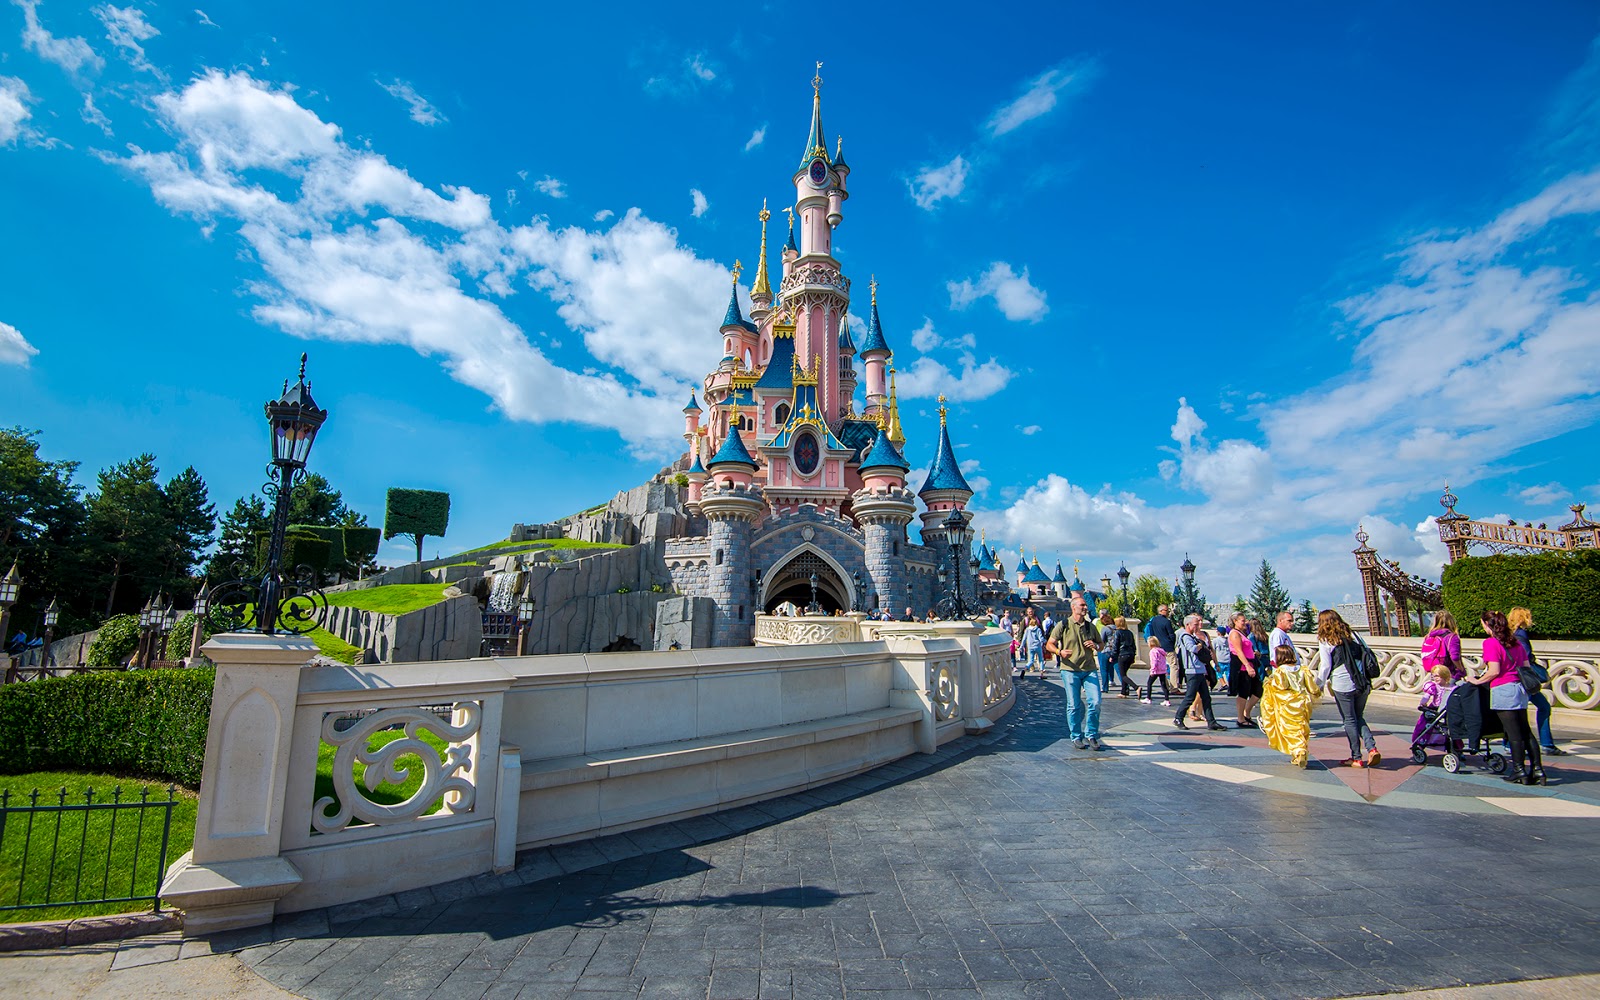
[(1164, 702), (1144, 701)]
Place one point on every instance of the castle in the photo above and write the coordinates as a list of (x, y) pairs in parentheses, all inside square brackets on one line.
[(793, 491)]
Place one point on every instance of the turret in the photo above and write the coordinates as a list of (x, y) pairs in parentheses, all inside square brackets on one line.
[(791, 251), (732, 462), (739, 335), (732, 505), (818, 196), (696, 474), (691, 421), (847, 370), (945, 489), (875, 354), (837, 196), (883, 507)]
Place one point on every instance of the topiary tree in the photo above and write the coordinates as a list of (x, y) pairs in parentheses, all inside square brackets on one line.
[(335, 560), (299, 549), (416, 514), (361, 548)]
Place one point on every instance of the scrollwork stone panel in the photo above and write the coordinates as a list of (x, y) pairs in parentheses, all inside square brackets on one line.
[(442, 778)]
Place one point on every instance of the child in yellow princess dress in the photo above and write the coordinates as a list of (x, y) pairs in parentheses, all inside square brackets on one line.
[(1288, 697)]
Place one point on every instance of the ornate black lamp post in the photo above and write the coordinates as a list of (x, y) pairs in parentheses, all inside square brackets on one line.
[(813, 608), (525, 609), (10, 586), (959, 535), (1122, 575), (149, 615), (52, 615), (202, 604), (293, 605), (860, 602), (1187, 569)]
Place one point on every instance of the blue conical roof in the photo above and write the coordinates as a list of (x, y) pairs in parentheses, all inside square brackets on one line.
[(874, 341), (732, 450), (945, 473), (986, 560), (1035, 574), (846, 345), (780, 370), (734, 316), (693, 406), (695, 466), (1077, 584), (1060, 577), (883, 454)]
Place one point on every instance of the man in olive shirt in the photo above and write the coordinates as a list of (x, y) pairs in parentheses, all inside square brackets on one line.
[(1073, 642)]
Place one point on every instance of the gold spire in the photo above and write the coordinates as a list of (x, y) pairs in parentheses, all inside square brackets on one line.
[(762, 286), (738, 269), (897, 437), (873, 284), (941, 409)]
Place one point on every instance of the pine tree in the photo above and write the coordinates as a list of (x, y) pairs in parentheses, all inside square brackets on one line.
[(1189, 600), (193, 518), (1305, 619), (236, 539), (1267, 596), (314, 501), (129, 527)]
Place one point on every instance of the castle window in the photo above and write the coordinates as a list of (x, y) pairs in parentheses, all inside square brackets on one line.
[(897, 548), (781, 414), (807, 455), (719, 557)]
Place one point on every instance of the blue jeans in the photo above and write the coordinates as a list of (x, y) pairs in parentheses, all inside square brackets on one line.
[(1034, 660), (1541, 716), (1083, 703), (1107, 669)]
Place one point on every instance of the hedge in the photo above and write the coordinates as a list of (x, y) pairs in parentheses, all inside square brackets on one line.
[(361, 545), (115, 641), (333, 536), (139, 723), (1559, 588), (299, 549)]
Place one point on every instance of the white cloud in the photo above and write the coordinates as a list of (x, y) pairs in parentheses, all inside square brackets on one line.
[(700, 69), (934, 184), (71, 54), (927, 378), (1040, 98), (603, 215), (756, 138), (14, 347), (1544, 494), (354, 249), (1055, 513), (14, 111), (551, 187), (1016, 296), (126, 28), (688, 75), (94, 116), (1030, 430), (700, 202), (204, 20), (924, 338), (420, 109)]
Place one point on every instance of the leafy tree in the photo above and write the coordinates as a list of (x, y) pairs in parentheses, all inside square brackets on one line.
[(1267, 596), (1305, 617), (314, 501), (41, 528), (416, 514), (1146, 594), (129, 526)]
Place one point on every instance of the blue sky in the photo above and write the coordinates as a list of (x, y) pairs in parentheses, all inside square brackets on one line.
[(1224, 280)]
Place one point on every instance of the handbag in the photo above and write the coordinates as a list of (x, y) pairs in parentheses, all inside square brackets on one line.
[(1532, 676), (1369, 662)]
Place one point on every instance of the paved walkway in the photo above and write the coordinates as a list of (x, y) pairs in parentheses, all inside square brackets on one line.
[(1014, 866)]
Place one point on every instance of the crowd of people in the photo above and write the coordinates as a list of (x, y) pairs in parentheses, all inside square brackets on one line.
[(1272, 689)]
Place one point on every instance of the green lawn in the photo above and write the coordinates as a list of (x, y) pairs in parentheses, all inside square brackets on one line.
[(507, 546), (53, 871), (394, 599), (333, 646)]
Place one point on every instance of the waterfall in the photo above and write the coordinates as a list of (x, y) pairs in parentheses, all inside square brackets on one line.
[(503, 594)]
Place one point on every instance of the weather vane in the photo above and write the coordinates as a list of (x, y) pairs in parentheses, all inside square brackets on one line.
[(816, 81)]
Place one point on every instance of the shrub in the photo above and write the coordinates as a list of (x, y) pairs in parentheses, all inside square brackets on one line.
[(416, 514), (299, 549), (335, 558), (141, 723), (182, 634), (116, 641), (361, 546), (1559, 588)]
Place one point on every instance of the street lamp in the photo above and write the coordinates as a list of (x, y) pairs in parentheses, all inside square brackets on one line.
[(52, 615), (1187, 569), (149, 615), (202, 604), (813, 608), (10, 586), (860, 597), (959, 534), (294, 419), (525, 609), (1122, 575)]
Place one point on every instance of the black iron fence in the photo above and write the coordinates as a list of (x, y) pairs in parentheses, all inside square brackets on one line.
[(74, 853)]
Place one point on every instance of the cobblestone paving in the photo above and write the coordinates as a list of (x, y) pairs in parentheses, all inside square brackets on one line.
[(1014, 867)]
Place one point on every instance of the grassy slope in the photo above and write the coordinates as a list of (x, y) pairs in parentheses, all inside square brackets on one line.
[(394, 599)]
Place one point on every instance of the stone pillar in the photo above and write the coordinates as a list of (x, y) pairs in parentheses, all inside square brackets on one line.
[(883, 516), (731, 512), (235, 875)]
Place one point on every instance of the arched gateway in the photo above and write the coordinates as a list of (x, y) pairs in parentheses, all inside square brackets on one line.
[(791, 581)]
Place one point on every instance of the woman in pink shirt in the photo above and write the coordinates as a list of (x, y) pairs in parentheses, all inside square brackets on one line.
[(1502, 655)]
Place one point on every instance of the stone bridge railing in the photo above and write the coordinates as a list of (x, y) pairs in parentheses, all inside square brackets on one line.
[(1574, 666)]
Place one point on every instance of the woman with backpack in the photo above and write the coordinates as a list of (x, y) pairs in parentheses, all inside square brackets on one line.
[(1344, 672), (1503, 659), (1442, 646), (1520, 620), (1127, 652)]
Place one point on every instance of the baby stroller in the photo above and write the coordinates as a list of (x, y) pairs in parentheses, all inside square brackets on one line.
[(1470, 723), (1432, 732)]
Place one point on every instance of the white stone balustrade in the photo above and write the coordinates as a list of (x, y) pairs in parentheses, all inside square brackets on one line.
[(542, 749), (1574, 666)]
